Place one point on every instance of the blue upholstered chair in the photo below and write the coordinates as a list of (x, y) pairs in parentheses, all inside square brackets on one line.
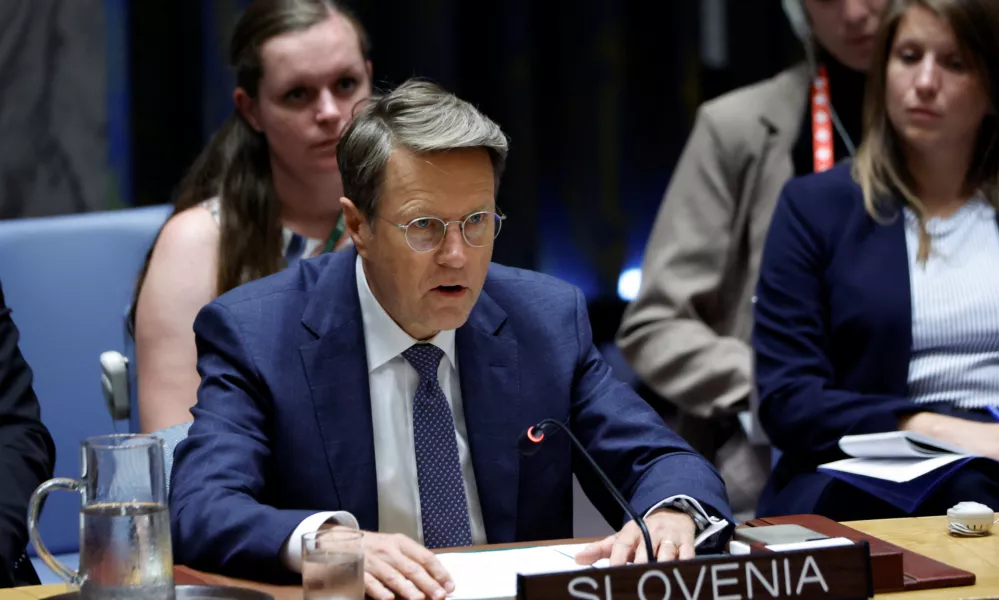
[(69, 281)]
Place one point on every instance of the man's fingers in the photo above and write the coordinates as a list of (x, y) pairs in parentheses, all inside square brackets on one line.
[(624, 546), (375, 589), (667, 550), (432, 565), (595, 551), (641, 554), (415, 573), (392, 579), (685, 544), (672, 534), (687, 551)]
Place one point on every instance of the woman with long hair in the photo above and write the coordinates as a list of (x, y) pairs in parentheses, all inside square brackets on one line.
[(687, 333), (878, 300), (264, 193)]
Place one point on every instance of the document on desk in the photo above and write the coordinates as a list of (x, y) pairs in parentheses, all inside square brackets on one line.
[(896, 456), (493, 573), (900, 467), (896, 444), (898, 470)]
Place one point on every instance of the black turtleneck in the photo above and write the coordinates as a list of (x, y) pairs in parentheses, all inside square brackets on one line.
[(847, 95)]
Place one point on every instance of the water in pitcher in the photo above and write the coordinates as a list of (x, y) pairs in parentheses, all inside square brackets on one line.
[(126, 551), (333, 576)]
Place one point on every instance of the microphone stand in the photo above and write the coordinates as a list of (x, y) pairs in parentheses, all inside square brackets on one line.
[(534, 439)]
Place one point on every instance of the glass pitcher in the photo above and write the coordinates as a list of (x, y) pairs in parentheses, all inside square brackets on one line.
[(125, 547)]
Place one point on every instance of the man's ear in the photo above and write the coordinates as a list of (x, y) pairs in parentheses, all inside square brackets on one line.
[(247, 107), (358, 227)]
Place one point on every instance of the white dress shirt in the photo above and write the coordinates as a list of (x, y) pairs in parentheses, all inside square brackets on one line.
[(393, 382)]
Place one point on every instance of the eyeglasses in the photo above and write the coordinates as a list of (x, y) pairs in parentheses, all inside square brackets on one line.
[(424, 234)]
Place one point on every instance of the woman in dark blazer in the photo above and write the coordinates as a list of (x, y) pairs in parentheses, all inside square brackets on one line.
[(878, 299)]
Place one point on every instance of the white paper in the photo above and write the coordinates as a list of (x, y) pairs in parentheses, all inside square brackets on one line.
[(571, 550), (898, 470), (737, 548), (811, 544), (895, 444), (493, 573)]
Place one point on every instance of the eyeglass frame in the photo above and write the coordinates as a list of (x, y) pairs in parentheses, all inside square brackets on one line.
[(461, 227)]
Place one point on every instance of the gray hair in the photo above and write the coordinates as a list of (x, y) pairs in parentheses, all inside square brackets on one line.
[(418, 116)]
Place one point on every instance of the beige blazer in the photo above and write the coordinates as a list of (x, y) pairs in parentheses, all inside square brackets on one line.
[(687, 333)]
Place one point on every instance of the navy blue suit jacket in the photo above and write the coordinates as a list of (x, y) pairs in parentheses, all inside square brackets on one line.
[(833, 331), (283, 428)]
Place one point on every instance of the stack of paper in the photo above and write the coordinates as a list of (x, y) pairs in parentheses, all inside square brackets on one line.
[(493, 573), (902, 467)]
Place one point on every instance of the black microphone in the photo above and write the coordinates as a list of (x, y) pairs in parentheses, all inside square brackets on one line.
[(530, 442)]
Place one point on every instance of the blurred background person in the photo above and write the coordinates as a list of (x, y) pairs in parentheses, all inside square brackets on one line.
[(263, 194), (55, 157), (27, 454), (598, 100), (687, 333), (878, 299)]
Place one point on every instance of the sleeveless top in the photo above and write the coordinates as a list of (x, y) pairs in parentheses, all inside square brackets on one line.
[(294, 247)]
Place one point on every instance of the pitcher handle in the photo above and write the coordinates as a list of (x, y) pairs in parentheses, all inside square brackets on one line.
[(59, 483)]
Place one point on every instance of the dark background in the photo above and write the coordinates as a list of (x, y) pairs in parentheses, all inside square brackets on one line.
[(597, 96)]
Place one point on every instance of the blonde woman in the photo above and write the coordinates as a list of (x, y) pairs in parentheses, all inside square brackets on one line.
[(878, 298), (687, 333)]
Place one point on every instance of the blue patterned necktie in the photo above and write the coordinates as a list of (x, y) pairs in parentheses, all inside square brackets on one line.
[(443, 507)]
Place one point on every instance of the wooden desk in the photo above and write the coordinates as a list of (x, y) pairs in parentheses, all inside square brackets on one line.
[(186, 575), (928, 536), (33, 592), (925, 535)]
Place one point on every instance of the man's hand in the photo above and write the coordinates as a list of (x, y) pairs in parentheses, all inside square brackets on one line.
[(395, 565), (672, 534)]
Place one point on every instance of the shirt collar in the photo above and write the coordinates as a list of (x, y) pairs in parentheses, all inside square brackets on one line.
[(383, 338)]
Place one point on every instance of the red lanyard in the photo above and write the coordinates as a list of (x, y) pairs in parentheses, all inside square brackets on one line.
[(822, 126)]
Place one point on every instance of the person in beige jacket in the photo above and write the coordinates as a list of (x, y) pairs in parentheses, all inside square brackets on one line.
[(687, 333)]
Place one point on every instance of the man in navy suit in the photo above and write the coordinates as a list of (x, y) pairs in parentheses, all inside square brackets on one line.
[(386, 388)]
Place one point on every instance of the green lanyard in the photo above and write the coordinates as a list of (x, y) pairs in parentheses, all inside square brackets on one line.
[(335, 235)]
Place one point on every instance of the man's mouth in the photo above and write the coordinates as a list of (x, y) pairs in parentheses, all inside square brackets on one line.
[(450, 289)]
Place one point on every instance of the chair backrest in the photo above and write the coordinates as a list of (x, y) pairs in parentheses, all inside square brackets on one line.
[(69, 281)]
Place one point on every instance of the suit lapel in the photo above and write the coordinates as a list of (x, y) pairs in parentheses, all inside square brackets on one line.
[(876, 291), (781, 118), (337, 372), (782, 114), (894, 282), (490, 390), (770, 165)]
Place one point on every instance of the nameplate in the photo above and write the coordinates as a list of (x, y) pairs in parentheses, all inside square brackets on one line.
[(840, 572)]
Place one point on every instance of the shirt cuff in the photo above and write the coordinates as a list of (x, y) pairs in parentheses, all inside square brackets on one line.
[(291, 551), (707, 526)]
